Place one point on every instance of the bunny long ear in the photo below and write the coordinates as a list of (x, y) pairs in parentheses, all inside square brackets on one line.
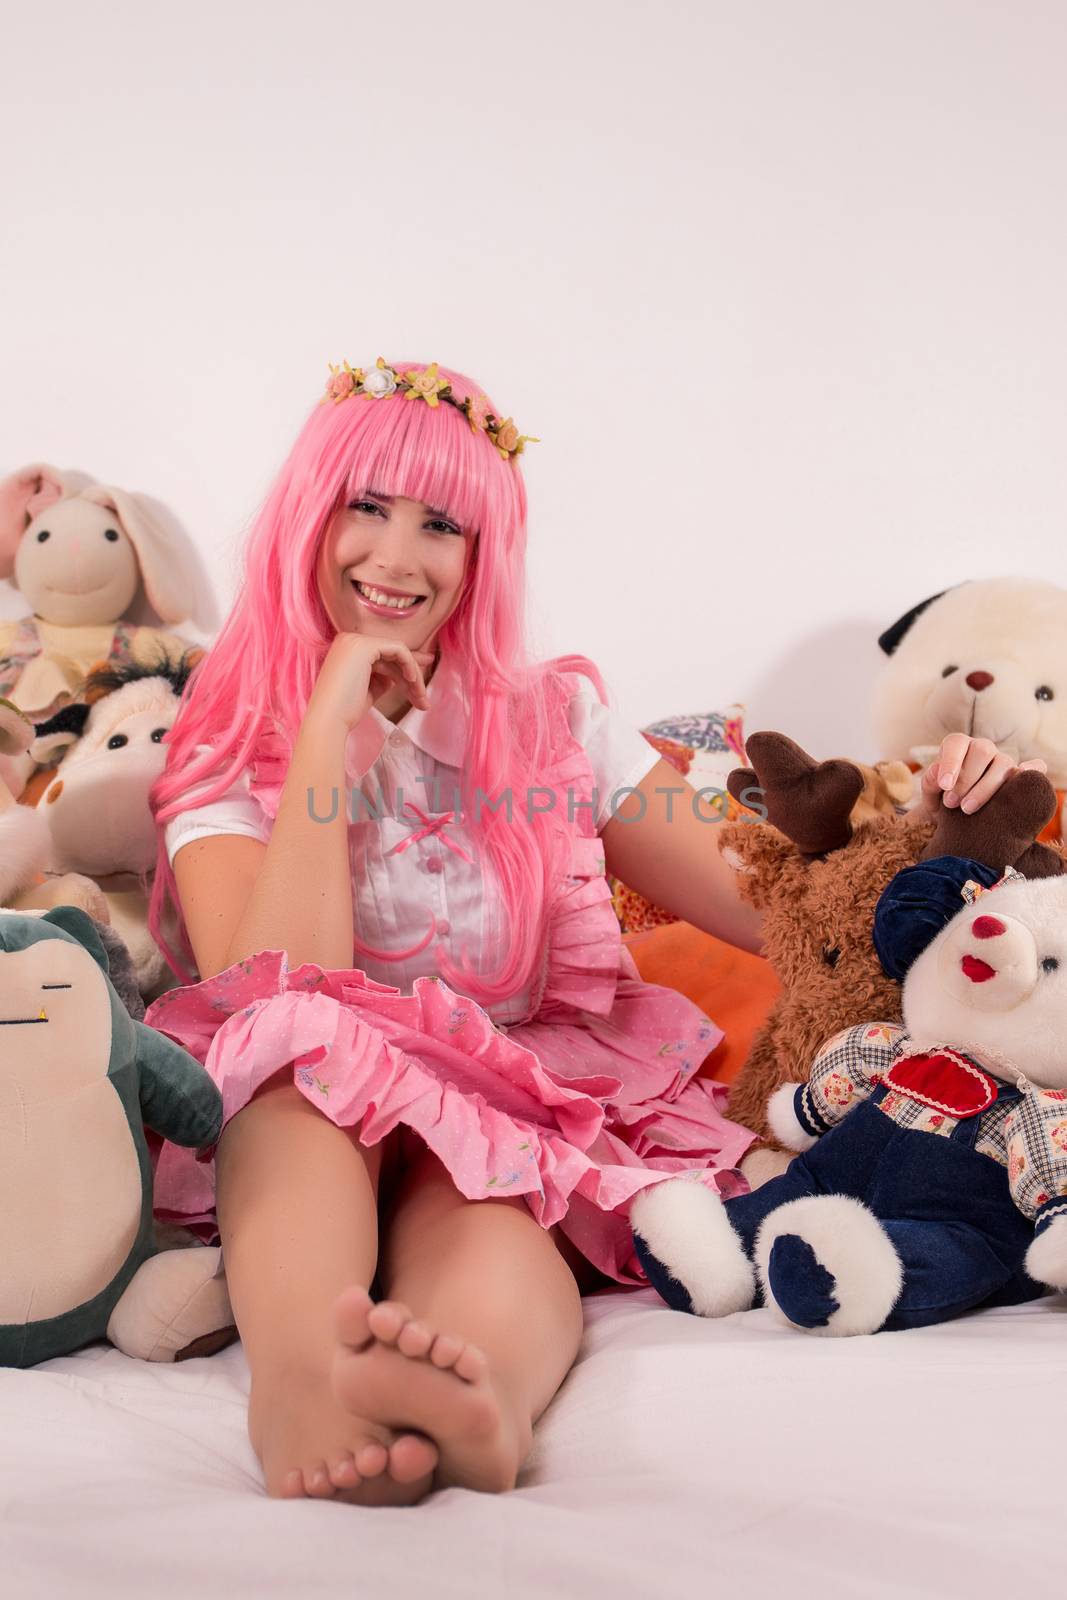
[(166, 584), (22, 496)]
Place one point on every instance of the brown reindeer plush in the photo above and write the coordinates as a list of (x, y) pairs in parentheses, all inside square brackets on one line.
[(817, 878)]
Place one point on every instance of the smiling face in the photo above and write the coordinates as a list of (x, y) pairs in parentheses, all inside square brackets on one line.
[(379, 553)]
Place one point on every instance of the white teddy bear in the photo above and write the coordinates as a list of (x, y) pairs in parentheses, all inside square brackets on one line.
[(988, 658), (932, 1178)]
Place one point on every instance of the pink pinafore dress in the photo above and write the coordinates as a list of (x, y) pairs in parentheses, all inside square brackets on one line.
[(588, 1100)]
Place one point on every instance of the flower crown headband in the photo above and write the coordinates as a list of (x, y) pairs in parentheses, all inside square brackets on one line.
[(422, 383)]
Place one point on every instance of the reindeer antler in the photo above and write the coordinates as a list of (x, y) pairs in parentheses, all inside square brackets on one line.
[(1002, 832), (807, 800)]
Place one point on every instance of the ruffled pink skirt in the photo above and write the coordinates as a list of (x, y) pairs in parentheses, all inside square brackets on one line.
[(574, 1111)]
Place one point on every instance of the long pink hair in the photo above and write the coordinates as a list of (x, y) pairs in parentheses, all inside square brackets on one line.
[(248, 695)]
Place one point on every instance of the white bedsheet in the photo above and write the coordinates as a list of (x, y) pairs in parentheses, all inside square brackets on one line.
[(681, 1455)]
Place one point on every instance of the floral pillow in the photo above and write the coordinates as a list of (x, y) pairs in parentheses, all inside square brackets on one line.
[(704, 747)]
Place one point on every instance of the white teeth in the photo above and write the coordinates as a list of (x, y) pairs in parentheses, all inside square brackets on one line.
[(387, 599)]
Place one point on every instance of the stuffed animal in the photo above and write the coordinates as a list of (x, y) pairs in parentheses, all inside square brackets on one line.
[(988, 658), (933, 1178), (887, 789), (79, 558), (78, 1076), (25, 847), (702, 749), (816, 877), (24, 851), (96, 805)]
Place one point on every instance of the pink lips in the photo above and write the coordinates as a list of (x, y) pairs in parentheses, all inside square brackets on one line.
[(978, 971)]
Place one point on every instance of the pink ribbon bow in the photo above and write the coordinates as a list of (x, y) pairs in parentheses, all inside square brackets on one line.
[(432, 825)]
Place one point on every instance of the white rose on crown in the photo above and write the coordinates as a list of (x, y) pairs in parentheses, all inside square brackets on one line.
[(379, 381)]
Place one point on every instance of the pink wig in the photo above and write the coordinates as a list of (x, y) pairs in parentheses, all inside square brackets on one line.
[(248, 696)]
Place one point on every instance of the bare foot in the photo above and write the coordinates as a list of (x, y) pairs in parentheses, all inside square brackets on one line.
[(311, 1446), (401, 1374)]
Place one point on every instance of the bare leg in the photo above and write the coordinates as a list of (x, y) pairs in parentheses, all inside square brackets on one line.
[(763, 1164), (297, 1209), (481, 1325)]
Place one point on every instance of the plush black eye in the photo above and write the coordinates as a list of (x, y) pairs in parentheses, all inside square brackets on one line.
[(1044, 693), (1050, 964), (158, 735), (117, 741), (946, 672), (112, 534), (42, 535), (831, 956)]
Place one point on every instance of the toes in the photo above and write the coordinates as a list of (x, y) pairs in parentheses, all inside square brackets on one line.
[(446, 1350), (470, 1364), (317, 1481), (344, 1474), (386, 1319), (292, 1487), (414, 1339), (371, 1459), (351, 1317), (411, 1457)]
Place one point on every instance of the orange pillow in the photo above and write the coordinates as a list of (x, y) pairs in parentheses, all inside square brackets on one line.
[(734, 988)]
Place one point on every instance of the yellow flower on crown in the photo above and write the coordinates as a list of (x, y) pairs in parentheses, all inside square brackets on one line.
[(508, 440), (424, 382)]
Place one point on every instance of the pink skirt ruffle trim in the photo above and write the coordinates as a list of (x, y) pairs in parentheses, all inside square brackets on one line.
[(573, 1111)]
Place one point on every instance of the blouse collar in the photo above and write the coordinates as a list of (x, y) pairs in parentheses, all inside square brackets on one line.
[(440, 730)]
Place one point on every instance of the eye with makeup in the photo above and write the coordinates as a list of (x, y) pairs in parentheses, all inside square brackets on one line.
[(434, 522)]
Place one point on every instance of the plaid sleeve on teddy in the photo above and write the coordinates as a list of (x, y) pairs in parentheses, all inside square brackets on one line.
[(1036, 1135), (844, 1072)]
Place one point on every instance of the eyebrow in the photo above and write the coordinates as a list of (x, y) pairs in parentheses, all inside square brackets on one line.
[(376, 494)]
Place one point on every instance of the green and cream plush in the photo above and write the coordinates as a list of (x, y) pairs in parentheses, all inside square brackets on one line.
[(80, 1080)]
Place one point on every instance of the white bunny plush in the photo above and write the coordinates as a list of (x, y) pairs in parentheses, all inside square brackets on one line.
[(79, 557)]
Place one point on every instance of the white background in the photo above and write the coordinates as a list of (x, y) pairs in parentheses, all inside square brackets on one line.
[(782, 286)]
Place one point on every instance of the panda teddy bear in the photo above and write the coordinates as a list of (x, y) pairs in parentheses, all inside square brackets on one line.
[(931, 1175)]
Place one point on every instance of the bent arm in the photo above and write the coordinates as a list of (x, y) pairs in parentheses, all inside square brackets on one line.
[(844, 1072), (293, 893), (659, 845)]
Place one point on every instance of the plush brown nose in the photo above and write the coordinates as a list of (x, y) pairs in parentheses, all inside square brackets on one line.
[(979, 680)]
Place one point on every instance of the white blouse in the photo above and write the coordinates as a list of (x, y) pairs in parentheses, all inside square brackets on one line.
[(407, 850)]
